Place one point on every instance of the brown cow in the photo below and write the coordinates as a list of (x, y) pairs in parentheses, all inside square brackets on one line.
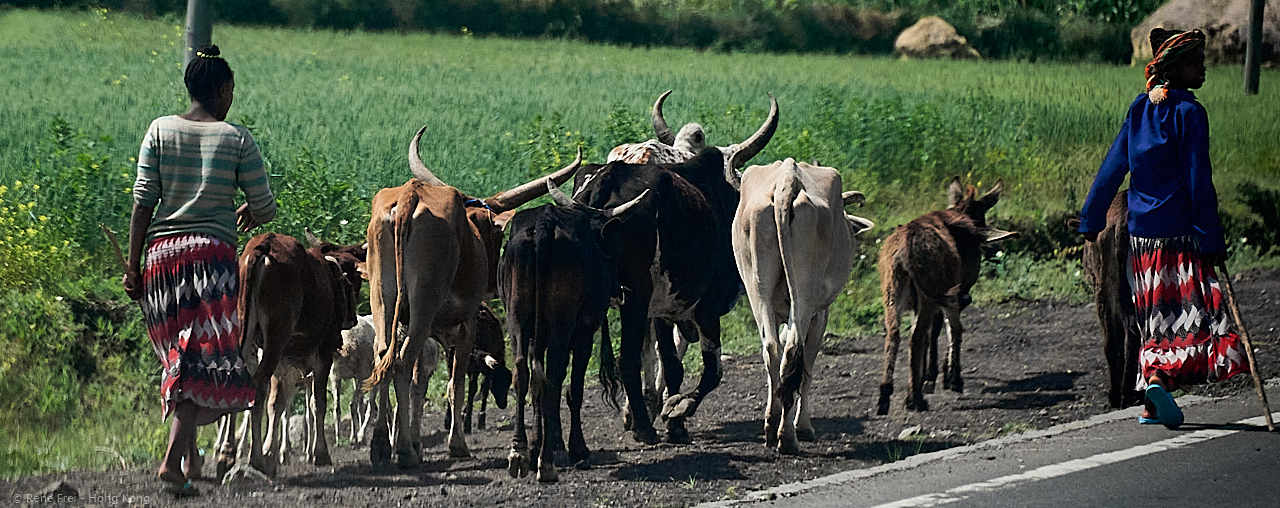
[(1106, 265), (294, 304), (927, 266), (433, 257)]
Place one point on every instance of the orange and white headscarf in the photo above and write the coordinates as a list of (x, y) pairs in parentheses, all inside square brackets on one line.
[(1166, 55)]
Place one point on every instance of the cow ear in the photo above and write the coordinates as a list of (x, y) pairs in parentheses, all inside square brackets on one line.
[(852, 197), (955, 192), (992, 235), (503, 218), (859, 225), (989, 199)]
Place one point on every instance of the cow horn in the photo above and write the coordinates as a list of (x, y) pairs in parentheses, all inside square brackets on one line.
[(415, 163), (557, 195), (311, 238), (621, 209), (660, 124), (744, 151), (523, 194)]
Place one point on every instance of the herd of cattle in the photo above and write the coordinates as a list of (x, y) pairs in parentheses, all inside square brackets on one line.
[(667, 230)]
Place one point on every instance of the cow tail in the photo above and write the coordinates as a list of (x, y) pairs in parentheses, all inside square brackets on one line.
[(793, 372), (255, 261), (401, 222), (610, 381)]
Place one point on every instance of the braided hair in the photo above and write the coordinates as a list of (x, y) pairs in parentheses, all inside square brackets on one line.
[(207, 73)]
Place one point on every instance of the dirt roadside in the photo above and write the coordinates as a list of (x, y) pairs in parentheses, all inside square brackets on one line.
[(1027, 366)]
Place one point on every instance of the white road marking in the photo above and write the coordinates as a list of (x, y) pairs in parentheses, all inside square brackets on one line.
[(1055, 470)]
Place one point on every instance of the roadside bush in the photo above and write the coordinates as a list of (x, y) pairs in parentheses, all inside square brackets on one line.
[(33, 252)]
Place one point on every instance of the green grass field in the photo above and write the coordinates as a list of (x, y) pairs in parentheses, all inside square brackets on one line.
[(334, 112)]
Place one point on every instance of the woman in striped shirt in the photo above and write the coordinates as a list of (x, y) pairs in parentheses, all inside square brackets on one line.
[(190, 167)]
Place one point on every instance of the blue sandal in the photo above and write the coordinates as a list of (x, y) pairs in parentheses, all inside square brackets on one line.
[(1142, 420), (1166, 409), (180, 490)]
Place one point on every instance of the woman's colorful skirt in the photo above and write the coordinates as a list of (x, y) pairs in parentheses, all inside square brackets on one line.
[(1182, 319), (190, 308)]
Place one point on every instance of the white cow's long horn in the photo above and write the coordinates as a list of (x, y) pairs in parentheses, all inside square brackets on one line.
[(744, 151), (523, 194), (415, 163), (660, 127)]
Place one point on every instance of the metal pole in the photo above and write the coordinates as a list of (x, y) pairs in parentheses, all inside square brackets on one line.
[(199, 28), (1253, 48)]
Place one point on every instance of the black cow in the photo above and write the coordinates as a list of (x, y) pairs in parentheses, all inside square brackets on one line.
[(488, 360), (676, 266), (556, 279)]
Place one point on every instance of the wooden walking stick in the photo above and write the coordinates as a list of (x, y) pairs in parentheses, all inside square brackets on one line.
[(112, 236), (1225, 278)]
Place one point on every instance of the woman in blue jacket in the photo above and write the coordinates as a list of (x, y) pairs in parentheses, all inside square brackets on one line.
[(1176, 236)]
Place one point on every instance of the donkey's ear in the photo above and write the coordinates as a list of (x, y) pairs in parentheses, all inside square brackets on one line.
[(992, 235), (955, 192), (992, 196)]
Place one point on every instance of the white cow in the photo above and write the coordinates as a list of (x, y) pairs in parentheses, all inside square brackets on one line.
[(355, 361), (794, 245)]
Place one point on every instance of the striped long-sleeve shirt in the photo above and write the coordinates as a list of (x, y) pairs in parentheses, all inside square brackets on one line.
[(189, 171)]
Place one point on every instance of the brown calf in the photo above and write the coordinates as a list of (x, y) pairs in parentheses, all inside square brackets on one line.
[(294, 304), (927, 266)]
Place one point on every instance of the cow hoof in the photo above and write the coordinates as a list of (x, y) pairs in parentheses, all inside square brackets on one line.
[(679, 406), (806, 435), (914, 404), (223, 467), (242, 472), (268, 468), (459, 452), (929, 386), (646, 436), (882, 408), (517, 464), (408, 460), (322, 459), (789, 446), (547, 473), (957, 386)]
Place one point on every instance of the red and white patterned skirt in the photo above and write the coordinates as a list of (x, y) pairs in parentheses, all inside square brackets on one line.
[(190, 309), (1182, 320)]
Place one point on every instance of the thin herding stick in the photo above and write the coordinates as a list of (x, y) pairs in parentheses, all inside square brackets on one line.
[(1244, 336)]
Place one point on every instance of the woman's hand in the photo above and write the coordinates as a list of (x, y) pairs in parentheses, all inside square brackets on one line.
[(244, 219), (132, 284)]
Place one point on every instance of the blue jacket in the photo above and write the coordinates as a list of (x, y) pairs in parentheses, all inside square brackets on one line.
[(1165, 150)]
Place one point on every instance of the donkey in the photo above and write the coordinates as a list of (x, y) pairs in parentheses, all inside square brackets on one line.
[(928, 266), (1106, 264)]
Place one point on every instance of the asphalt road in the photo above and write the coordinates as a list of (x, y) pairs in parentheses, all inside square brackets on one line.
[(1222, 456)]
